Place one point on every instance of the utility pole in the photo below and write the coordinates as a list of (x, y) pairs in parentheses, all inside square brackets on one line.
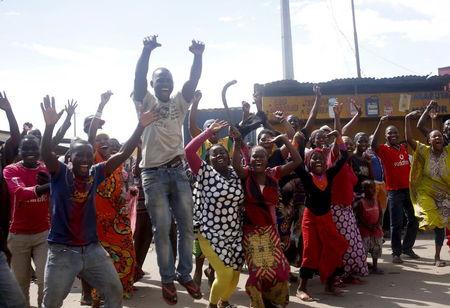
[(355, 36), (286, 40)]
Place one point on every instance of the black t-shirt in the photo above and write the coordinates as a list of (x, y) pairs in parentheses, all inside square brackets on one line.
[(361, 167), (318, 201)]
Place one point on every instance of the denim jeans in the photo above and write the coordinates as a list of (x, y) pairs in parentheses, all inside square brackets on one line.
[(167, 192), (24, 248), (91, 262), (11, 295), (400, 204)]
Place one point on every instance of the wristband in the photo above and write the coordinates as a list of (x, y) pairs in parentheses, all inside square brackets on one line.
[(98, 114)]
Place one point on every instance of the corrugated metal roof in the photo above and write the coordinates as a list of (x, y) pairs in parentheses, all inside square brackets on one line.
[(358, 85)]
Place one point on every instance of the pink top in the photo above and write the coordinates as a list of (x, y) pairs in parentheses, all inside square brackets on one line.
[(368, 213), (30, 214)]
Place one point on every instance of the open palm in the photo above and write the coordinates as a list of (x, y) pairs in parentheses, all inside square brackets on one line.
[(51, 117)]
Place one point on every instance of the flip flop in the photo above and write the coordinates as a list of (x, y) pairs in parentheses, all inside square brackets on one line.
[(169, 293), (304, 296)]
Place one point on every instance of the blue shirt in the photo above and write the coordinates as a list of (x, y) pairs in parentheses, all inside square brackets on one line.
[(377, 168), (73, 217)]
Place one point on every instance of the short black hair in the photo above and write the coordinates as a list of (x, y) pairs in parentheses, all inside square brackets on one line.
[(266, 131), (78, 141)]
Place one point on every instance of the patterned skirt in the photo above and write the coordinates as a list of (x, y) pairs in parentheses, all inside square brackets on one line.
[(355, 258), (268, 268)]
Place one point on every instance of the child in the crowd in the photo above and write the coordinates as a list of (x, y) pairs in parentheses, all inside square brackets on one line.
[(369, 213)]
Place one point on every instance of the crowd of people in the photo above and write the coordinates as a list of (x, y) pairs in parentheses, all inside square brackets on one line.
[(312, 199)]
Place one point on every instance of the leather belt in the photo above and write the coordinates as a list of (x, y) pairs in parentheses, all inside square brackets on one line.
[(176, 162)]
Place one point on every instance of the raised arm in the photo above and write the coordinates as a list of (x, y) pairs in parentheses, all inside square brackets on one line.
[(192, 147), (12, 144), (194, 130), (95, 123), (245, 111), (337, 109), (140, 76), (408, 131), (421, 125), (145, 119), (315, 109), (189, 87), (295, 155), (51, 117), (376, 133), (347, 128), (70, 110), (236, 161), (279, 116)]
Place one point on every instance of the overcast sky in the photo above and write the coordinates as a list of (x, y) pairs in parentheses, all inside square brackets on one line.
[(78, 49)]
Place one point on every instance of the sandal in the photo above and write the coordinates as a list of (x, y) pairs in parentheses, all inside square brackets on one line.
[(192, 288), (439, 263), (169, 293)]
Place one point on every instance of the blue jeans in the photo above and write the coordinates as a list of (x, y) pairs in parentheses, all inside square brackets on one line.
[(91, 262), (167, 192), (11, 295), (400, 205)]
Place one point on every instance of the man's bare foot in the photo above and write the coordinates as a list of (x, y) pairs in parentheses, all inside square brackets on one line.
[(304, 295)]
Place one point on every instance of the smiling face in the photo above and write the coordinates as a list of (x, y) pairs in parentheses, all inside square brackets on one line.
[(162, 82), (219, 158), (82, 157), (29, 151), (349, 144), (436, 140), (101, 145), (362, 142), (317, 163), (391, 135), (258, 159)]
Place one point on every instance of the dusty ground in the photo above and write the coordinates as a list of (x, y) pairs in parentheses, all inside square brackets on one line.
[(416, 283)]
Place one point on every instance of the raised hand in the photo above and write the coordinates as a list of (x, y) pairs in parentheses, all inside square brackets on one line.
[(413, 114), (197, 96), (279, 116), (150, 42), (104, 98), (281, 137), (384, 118), (337, 108), (432, 105), (334, 133), (197, 48), (356, 105), (27, 126), (316, 89), (147, 118), (51, 117), (4, 102), (70, 107), (245, 107), (217, 125)]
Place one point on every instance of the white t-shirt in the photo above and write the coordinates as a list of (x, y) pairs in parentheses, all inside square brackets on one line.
[(162, 140)]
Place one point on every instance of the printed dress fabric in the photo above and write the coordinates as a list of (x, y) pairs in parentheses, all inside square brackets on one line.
[(114, 227), (430, 187), (218, 213), (268, 267)]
